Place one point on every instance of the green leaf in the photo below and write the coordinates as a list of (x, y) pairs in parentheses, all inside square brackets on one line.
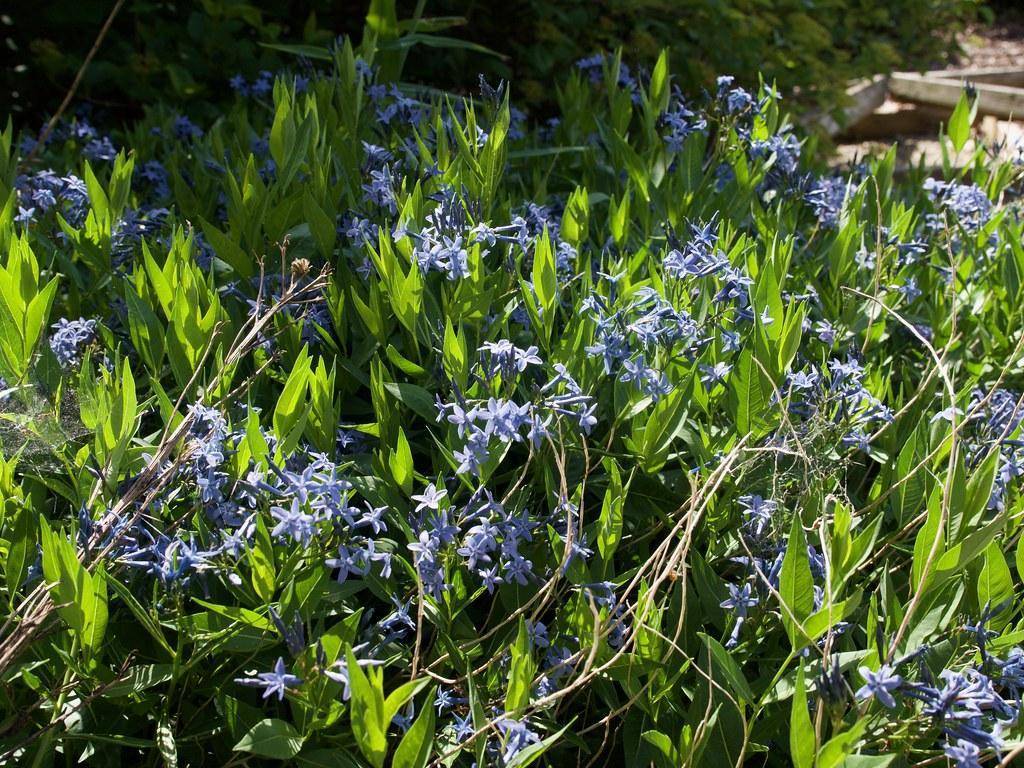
[(320, 225), (228, 251), (21, 551), (165, 742), (400, 462), (995, 585), (138, 679), (398, 697), (81, 597), (415, 397), (97, 196), (576, 217), (261, 559), (305, 51), (839, 747), (520, 672), (976, 498), (141, 615), (336, 757), (438, 41), (730, 669), (273, 738), (619, 220), (960, 122), (796, 584), (868, 761), (367, 711), (801, 731), (282, 132), (545, 280), (36, 317), (925, 542), (750, 394), (415, 747), (404, 364), (290, 408), (146, 331), (668, 755), (609, 529), (912, 488), (455, 357), (664, 423), (626, 156), (476, 708), (829, 615), (659, 88), (95, 612)]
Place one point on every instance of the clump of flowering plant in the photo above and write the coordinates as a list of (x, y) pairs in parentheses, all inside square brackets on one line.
[(370, 425)]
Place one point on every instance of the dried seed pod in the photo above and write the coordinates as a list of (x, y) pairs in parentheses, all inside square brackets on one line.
[(301, 268)]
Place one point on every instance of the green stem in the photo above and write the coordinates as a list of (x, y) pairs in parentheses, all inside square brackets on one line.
[(46, 742)]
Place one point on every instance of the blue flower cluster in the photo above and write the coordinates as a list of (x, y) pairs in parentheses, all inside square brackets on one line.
[(70, 338), (970, 707), (764, 550), (967, 203), (44, 192)]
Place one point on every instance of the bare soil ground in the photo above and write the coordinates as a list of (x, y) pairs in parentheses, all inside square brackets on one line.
[(1000, 44)]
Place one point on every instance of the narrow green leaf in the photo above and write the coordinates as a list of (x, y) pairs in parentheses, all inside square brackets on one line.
[(261, 559), (730, 669), (796, 584), (995, 585), (520, 673), (960, 123), (367, 712), (165, 742), (609, 530), (801, 731), (415, 747)]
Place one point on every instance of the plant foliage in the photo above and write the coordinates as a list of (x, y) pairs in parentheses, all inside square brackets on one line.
[(370, 425)]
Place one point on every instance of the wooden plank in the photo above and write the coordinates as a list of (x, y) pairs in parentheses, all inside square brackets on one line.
[(897, 119), (865, 97), (1013, 76), (998, 100)]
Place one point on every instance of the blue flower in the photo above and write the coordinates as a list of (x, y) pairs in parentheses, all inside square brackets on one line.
[(700, 256), (967, 202), (964, 754), (239, 85), (69, 339), (880, 685), (738, 100), (184, 129), (338, 672), (827, 198), (515, 737), (739, 600), (273, 682), (758, 513), (714, 374), (504, 357), (100, 149), (173, 561), (462, 726), (294, 522), (430, 498), (294, 635)]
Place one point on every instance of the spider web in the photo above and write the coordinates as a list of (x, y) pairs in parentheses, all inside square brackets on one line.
[(39, 425)]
